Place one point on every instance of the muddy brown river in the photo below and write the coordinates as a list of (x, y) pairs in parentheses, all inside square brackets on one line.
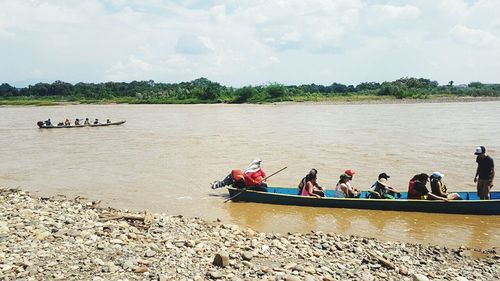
[(165, 156)]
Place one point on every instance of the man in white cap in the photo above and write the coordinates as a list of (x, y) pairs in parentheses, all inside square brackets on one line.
[(484, 174)]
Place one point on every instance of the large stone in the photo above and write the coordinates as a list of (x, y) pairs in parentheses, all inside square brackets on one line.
[(419, 277), (221, 259), (42, 235), (247, 255), (215, 275), (403, 270), (291, 278)]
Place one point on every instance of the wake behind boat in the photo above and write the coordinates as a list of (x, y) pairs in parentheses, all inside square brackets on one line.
[(289, 196), (42, 125)]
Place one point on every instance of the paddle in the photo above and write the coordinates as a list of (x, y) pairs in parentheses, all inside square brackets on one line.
[(244, 189)]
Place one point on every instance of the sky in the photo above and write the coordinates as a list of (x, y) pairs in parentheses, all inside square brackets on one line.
[(251, 42)]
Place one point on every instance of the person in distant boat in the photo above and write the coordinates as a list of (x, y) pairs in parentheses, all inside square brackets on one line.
[(86, 122), (417, 189), (439, 188), (48, 122), (67, 122), (60, 124), (77, 122), (96, 122), (344, 189), (107, 121), (309, 186), (252, 178), (485, 173), (351, 173), (382, 190)]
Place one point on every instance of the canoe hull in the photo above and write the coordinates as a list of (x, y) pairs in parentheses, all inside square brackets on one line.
[(81, 126), (282, 196)]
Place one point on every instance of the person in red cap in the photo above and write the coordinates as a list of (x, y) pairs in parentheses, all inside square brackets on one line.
[(351, 173)]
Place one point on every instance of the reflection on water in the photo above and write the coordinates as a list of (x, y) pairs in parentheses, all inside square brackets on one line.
[(165, 156), (441, 229)]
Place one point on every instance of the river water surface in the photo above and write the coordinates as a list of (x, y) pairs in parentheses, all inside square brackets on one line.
[(165, 156)]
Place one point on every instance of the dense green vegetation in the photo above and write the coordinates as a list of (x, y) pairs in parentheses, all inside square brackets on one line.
[(203, 90)]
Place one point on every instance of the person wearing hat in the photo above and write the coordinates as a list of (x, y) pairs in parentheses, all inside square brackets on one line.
[(350, 173), (439, 188), (252, 178), (381, 190), (485, 173), (344, 189)]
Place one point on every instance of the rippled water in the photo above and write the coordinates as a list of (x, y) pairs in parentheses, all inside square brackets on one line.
[(165, 156)]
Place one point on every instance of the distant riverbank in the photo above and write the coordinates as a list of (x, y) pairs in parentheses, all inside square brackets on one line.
[(74, 238), (348, 99)]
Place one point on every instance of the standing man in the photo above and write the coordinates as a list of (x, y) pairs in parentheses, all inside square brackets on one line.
[(484, 174)]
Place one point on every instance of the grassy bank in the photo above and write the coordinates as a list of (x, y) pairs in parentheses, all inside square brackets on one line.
[(204, 91), (53, 101)]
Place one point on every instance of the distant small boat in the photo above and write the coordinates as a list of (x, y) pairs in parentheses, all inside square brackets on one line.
[(288, 196), (41, 125)]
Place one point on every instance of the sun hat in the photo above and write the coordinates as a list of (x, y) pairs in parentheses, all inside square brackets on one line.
[(437, 175), (383, 176), (480, 150), (349, 172)]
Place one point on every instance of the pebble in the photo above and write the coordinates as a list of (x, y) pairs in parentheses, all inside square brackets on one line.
[(66, 239), (419, 277), (247, 255)]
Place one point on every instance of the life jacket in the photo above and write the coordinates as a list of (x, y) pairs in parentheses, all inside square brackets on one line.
[(238, 179), (412, 193)]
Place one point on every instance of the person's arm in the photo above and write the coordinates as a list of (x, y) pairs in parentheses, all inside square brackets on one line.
[(310, 189), (318, 186), (345, 189), (492, 172), (436, 197), (477, 172)]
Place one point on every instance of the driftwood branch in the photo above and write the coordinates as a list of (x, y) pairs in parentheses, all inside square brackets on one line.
[(381, 260), (147, 218)]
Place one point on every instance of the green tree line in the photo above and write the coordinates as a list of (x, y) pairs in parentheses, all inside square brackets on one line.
[(203, 90)]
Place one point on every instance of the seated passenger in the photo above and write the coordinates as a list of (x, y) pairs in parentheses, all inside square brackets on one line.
[(308, 186), (381, 190), (252, 178), (344, 189), (107, 121), (96, 122), (77, 122), (86, 122), (48, 122), (67, 122), (60, 124), (417, 189), (439, 188)]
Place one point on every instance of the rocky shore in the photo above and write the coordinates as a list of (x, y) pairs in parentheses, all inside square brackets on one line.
[(58, 238)]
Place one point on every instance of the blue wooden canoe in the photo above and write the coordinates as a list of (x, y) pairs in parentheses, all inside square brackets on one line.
[(289, 196)]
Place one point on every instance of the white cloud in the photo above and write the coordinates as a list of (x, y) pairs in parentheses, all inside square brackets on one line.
[(475, 37), (406, 12)]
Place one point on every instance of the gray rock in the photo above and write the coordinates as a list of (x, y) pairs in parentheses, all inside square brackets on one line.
[(419, 277), (221, 259), (215, 275), (291, 278), (247, 255), (309, 278), (403, 270), (150, 253)]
